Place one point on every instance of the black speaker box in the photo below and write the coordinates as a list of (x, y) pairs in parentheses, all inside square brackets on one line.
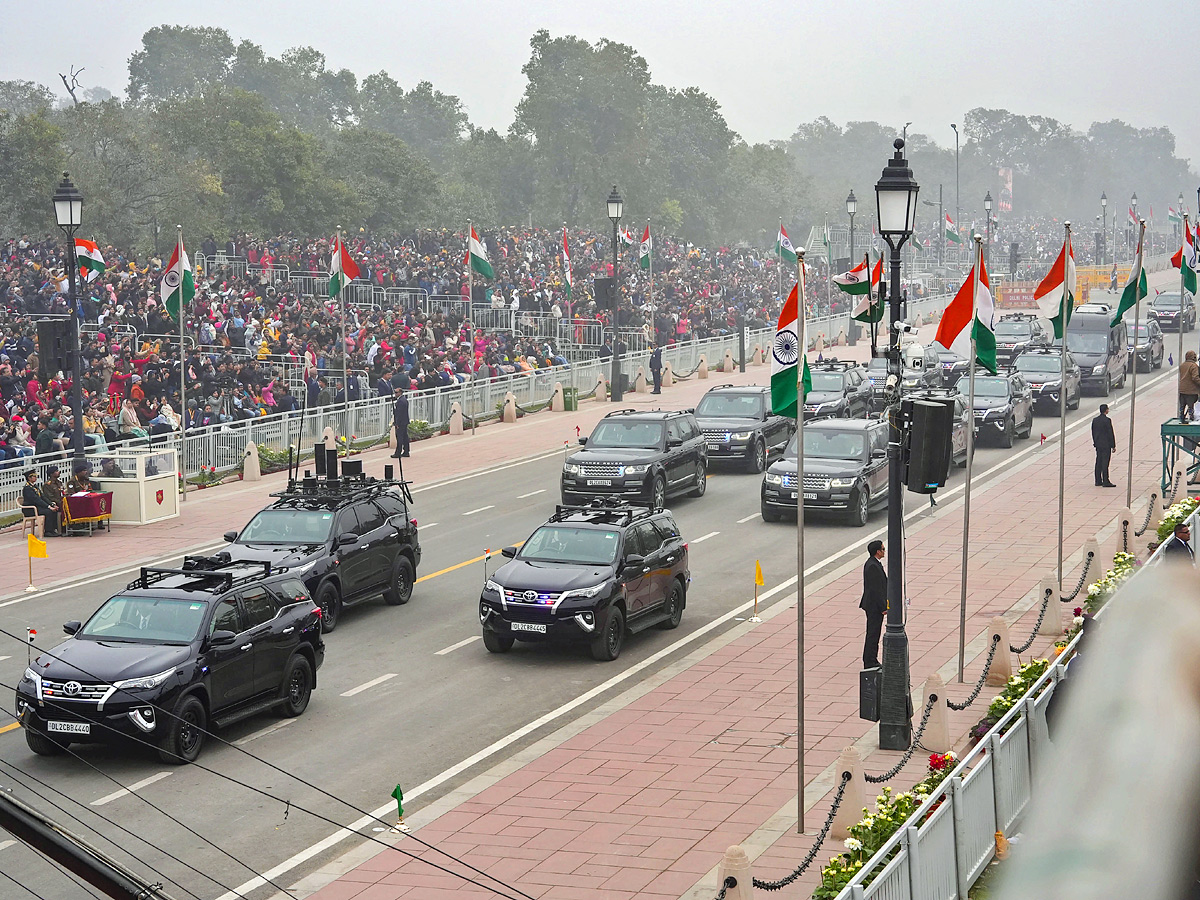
[(931, 425), (56, 340), (606, 291)]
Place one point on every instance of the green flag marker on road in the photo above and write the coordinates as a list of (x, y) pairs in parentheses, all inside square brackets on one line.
[(399, 795)]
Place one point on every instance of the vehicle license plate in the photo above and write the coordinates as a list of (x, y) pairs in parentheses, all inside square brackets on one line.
[(714, 446), (599, 482), (69, 727), (528, 626), (810, 496)]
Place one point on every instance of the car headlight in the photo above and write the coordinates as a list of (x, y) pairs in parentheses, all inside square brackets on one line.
[(1100, 369), (995, 413), (772, 478), (490, 585), (636, 470), (744, 435), (30, 676), (585, 593), (1050, 385), (300, 570), (909, 382), (841, 482), (571, 469), (143, 684)]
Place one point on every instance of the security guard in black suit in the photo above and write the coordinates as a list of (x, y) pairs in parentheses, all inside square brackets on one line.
[(874, 602)]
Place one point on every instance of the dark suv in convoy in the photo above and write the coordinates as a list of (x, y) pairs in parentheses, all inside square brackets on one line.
[(840, 389), (176, 653), (1042, 369), (637, 455), (1165, 309), (1018, 332), (739, 426), (590, 574), (1100, 348), (1151, 349), (954, 366), (845, 470), (1003, 408), (349, 539)]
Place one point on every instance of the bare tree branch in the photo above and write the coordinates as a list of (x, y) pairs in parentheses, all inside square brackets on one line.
[(73, 85)]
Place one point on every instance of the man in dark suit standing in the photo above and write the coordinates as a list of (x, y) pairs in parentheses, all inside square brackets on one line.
[(874, 602), (400, 421), (1105, 442), (1178, 547), (656, 367)]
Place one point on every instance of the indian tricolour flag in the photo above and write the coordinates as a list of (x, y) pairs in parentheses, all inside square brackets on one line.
[(477, 256), (177, 287), (644, 249), (342, 269), (91, 261), (1136, 288), (1055, 296), (1185, 260), (567, 263), (625, 237), (856, 281), (1174, 215), (869, 307), (786, 352), (971, 310), (783, 246), (952, 231)]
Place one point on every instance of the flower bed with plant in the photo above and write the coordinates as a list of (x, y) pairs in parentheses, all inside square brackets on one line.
[(891, 811), (1176, 513), (1099, 592), (1014, 690)]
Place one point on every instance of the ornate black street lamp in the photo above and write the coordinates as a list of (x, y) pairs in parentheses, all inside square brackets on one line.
[(615, 207), (68, 213)]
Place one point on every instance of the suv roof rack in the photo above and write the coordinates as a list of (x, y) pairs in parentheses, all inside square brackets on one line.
[(1017, 317), (322, 491), (218, 568), (622, 412), (607, 510), (833, 364)]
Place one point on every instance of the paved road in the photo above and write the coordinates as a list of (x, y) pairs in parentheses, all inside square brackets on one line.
[(405, 693)]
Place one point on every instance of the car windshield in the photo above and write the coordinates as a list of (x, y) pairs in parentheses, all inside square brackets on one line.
[(632, 435), (827, 382), (991, 387), (1041, 363), (1012, 331), (730, 406), (828, 444), (564, 544), (877, 365), (1138, 331), (145, 620), (288, 526), (1094, 343), (1170, 301)]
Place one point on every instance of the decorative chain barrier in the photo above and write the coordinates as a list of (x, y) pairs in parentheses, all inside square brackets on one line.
[(545, 404), (1124, 536), (591, 393), (916, 742), (959, 707), (1175, 483), (1149, 513), (729, 882), (1029, 643), (695, 369), (1087, 564), (812, 853)]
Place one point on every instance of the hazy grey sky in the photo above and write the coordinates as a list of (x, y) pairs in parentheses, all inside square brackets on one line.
[(771, 66)]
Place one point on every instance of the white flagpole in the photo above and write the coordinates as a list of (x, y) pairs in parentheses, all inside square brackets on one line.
[(182, 364), (1182, 289), (802, 315), (651, 261), (779, 259), (1062, 399), (1137, 307), (962, 600), (570, 286), (337, 261)]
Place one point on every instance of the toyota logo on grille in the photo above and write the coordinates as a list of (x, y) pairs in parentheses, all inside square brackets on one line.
[(72, 688), (530, 596)]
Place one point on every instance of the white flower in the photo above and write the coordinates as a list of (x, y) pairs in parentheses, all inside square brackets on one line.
[(853, 844), (869, 821), (949, 754), (881, 800), (922, 789), (1077, 621)]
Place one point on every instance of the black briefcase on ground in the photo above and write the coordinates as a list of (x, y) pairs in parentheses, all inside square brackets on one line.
[(869, 681)]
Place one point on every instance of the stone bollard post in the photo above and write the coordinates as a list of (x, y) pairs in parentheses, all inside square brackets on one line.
[(736, 863), (251, 469), (509, 413), (1094, 572), (1156, 511), (639, 381), (841, 338), (855, 797), (668, 375), (728, 364), (328, 438), (456, 418), (1122, 540), (1179, 477), (601, 387), (1001, 668), (557, 404), (937, 732), (1052, 622), (702, 369), (757, 358), (819, 343)]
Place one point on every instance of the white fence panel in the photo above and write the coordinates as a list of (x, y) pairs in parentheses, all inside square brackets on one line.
[(1010, 773), (934, 874), (975, 810)]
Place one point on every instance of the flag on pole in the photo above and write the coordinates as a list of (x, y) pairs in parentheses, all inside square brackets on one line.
[(1136, 288), (952, 230), (477, 256), (1055, 296), (567, 263), (342, 269), (37, 549), (869, 307), (177, 286), (786, 353), (856, 281), (954, 331), (783, 246), (1185, 260), (625, 237), (1133, 219), (1174, 215), (644, 249), (91, 261)]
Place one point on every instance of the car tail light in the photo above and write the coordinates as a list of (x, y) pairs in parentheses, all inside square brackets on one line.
[(685, 546), (414, 522), (317, 611)]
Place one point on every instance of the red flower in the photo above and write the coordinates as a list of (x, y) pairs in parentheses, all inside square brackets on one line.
[(937, 762), (1078, 611)]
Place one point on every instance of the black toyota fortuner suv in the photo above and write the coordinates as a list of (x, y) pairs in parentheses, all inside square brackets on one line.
[(638, 456), (739, 426), (176, 653), (589, 575)]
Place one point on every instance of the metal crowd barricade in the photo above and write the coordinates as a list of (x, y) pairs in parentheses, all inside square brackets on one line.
[(310, 284), (400, 298), (580, 333), (449, 304)]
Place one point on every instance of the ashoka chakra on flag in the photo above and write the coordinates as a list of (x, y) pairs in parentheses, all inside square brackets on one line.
[(787, 347), (171, 279)]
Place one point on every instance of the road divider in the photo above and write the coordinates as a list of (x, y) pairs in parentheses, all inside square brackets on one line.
[(472, 512), (466, 562)]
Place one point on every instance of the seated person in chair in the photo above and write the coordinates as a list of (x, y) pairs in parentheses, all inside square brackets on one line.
[(81, 481), (34, 505)]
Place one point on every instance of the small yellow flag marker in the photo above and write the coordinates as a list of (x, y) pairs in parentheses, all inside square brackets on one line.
[(758, 580)]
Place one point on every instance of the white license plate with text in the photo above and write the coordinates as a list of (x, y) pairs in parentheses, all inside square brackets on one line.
[(599, 482), (69, 727), (810, 496), (528, 626)]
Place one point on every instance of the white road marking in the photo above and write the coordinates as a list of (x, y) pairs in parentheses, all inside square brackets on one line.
[(263, 732), (430, 525), (532, 493), (125, 791), (4, 845), (704, 537), (2, 658), (481, 509), (370, 684), (460, 644), (748, 518)]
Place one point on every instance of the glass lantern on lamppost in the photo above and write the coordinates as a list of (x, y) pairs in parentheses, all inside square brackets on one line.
[(1104, 226), (987, 211), (68, 213), (851, 209), (896, 205), (616, 207)]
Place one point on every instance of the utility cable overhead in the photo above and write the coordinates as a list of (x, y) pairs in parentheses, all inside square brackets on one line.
[(66, 873)]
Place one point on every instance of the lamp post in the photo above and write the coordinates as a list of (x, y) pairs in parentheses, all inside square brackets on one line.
[(851, 209), (1103, 223), (615, 207), (957, 210), (987, 210), (68, 213), (896, 205)]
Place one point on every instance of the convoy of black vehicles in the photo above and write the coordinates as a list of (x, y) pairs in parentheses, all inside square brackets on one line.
[(840, 389), (1151, 347), (1018, 332), (589, 575), (739, 426), (954, 366), (1042, 370), (1003, 408), (1165, 309), (1100, 348)]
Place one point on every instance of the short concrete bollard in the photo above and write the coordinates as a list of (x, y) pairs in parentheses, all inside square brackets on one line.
[(668, 375), (639, 382), (841, 338), (509, 412), (819, 343), (1122, 540), (601, 387), (736, 864), (1001, 668), (728, 364), (251, 469), (1094, 572), (855, 796), (757, 358), (937, 732), (328, 438), (702, 369), (1156, 511), (1052, 622), (557, 403), (456, 418)]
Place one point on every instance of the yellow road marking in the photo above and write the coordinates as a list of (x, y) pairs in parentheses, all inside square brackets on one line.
[(10, 727), (459, 565)]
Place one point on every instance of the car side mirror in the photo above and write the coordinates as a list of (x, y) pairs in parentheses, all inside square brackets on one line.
[(583, 442), (674, 442), (634, 559), (221, 638), (878, 453), (230, 536), (72, 627), (346, 539), (509, 552)]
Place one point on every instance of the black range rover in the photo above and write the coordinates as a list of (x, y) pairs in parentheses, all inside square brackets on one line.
[(840, 389), (590, 574), (636, 455), (174, 654), (845, 470), (739, 426)]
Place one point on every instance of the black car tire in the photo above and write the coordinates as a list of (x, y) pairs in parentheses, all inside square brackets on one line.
[(606, 645), (1010, 430), (701, 483), (497, 643), (1107, 385), (297, 686), (401, 588), (1158, 365), (674, 606), (1028, 432), (758, 457), (185, 733), (42, 744), (860, 507), (658, 493), (329, 599), (1078, 398), (769, 515)]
